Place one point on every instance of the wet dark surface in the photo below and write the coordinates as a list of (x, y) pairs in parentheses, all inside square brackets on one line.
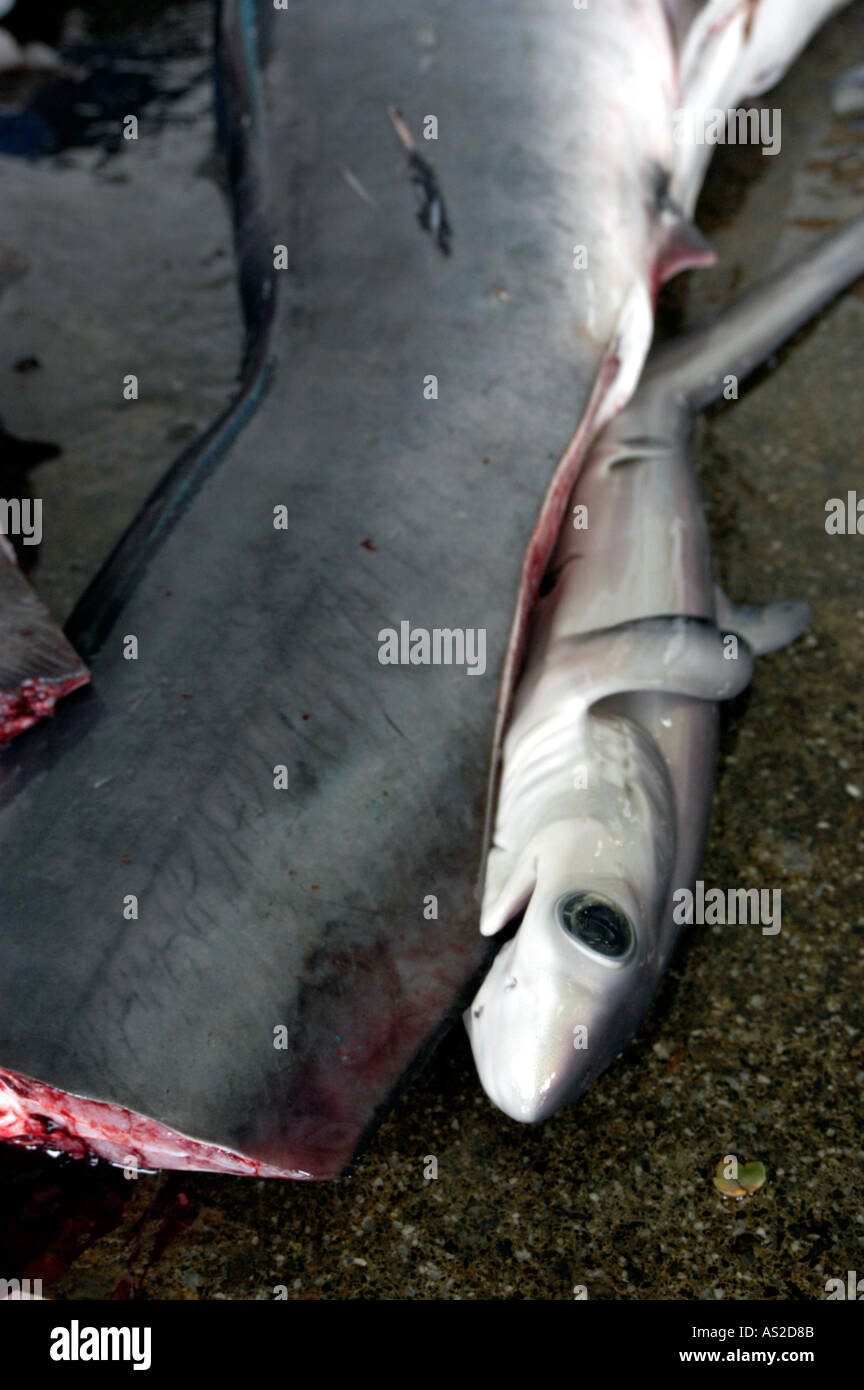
[(118, 253), (754, 1045)]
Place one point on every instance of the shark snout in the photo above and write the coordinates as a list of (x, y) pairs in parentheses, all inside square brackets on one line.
[(553, 1010), (523, 1064)]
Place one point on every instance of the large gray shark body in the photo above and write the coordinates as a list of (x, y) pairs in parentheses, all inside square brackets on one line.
[(296, 825)]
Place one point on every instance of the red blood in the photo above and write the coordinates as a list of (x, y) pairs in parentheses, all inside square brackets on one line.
[(33, 1115), (33, 699)]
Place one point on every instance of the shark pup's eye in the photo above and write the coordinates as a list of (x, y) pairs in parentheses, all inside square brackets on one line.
[(597, 923)]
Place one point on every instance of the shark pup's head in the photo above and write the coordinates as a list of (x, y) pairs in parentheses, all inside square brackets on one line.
[(569, 988)]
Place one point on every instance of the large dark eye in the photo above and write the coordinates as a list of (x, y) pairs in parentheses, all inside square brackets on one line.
[(597, 923)]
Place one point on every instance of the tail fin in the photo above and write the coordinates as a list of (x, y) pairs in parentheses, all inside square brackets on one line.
[(696, 365)]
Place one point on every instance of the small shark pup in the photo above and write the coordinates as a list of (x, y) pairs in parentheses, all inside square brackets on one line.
[(608, 762)]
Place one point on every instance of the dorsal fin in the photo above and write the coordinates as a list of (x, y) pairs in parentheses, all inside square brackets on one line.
[(682, 247)]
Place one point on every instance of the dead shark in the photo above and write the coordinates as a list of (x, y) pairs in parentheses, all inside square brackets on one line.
[(609, 760), (257, 914)]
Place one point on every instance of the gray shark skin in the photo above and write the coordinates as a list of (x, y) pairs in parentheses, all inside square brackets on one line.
[(608, 763), (237, 906)]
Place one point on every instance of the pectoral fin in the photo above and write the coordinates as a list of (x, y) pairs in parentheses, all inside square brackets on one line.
[(508, 887), (673, 655), (765, 627)]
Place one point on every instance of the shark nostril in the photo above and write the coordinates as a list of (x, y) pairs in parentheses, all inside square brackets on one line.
[(597, 923), (478, 1011), (511, 983)]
